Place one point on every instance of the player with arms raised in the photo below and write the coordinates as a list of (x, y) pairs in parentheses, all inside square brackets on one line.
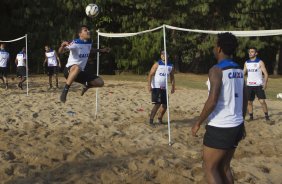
[(79, 53)]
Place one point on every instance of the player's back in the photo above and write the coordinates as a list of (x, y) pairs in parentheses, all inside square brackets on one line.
[(228, 111)]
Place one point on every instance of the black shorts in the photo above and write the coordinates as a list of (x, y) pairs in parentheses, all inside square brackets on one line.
[(254, 91), (21, 71), (51, 70), (159, 96), (3, 71), (82, 78), (223, 138)]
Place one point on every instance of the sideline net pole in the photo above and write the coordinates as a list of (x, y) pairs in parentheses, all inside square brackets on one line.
[(26, 65), (98, 60), (166, 80)]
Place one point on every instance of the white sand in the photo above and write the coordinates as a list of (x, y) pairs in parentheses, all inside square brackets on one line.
[(41, 143)]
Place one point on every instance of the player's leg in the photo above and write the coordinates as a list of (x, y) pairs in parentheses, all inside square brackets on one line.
[(156, 100), (261, 96), (251, 98), (234, 135), (162, 112), (19, 76), (50, 82), (212, 158), (71, 74), (98, 82), (92, 81), (56, 71), (49, 77), (22, 76), (1, 75), (225, 169), (153, 113), (264, 106), (57, 80), (5, 79), (20, 82), (56, 76), (23, 79), (164, 105)]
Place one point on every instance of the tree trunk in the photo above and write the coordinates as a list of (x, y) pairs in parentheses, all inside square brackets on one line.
[(280, 61), (276, 63)]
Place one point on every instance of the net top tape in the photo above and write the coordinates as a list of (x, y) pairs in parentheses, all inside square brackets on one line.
[(250, 33), (13, 39)]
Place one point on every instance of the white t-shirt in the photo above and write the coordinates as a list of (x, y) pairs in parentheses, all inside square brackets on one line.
[(79, 53), (159, 80), (4, 56), (51, 58), (21, 58), (228, 111), (255, 77)]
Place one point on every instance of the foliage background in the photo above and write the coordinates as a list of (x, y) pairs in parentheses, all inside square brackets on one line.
[(50, 22)]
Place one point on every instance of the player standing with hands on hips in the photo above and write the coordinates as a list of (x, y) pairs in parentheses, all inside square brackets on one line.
[(74, 71)]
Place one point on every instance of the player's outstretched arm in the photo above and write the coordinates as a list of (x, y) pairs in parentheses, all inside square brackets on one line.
[(62, 48), (103, 50)]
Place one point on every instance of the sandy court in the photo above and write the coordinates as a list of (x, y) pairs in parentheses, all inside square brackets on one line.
[(45, 141)]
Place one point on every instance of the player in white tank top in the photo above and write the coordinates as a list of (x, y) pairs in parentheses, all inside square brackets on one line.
[(53, 65), (157, 86), (79, 52), (225, 108), (21, 67), (4, 58), (256, 82)]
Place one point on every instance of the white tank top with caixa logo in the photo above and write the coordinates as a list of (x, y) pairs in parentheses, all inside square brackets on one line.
[(21, 58), (4, 56), (159, 80), (51, 58), (228, 111), (79, 53), (255, 77)]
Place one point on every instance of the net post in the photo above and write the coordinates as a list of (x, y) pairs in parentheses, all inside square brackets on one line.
[(98, 60), (26, 64), (166, 80)]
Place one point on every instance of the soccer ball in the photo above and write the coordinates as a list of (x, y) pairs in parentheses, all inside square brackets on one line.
[(279, 95), (92, 10)]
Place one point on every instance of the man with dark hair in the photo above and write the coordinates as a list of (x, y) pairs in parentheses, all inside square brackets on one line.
[(157, 86), (21, 67), (53, 65), (256, 83), (79, 53), (225, 108), (4, 58)]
